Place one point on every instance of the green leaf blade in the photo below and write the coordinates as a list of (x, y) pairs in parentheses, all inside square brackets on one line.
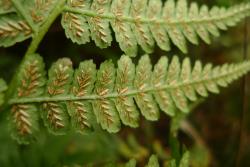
[(76, 26), (81, 111), (162, 97), (105, 110), (24, 118), (99, 28), (13, 29), (186, 77), (143, 99), (108, 94), (173, 78), (185, 160), (146, 22), (123, 32), (141, 31), (124, 84), (54, 114), (24, 123), (153, 161), (159, 33)]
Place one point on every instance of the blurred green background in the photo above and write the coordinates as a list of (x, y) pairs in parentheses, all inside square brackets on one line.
[(212, 131)]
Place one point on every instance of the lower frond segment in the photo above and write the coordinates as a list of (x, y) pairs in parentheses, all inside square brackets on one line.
[(110, 96), (24, 122), (55, 117)]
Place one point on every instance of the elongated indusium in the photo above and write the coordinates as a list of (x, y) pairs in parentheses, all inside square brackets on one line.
[(110, 95)]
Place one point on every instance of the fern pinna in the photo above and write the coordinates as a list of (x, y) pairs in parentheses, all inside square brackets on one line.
[(134, 22), (21, 19), (142, 22), (109, 95)]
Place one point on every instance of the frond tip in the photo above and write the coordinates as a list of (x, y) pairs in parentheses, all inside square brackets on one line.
[(144, 22), (109, 95)]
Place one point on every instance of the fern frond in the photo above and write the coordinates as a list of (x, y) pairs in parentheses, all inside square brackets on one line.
[(13, 29), (55, 114), (125, 105), (110, 95), (39, 10), (83, 84), (104, 108), (3, 87), (19, 20), (135, 22), (6, 7), (145, 22), (142, 81), (24, 117)]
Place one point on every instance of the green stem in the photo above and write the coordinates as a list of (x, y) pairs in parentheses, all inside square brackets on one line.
[(152, 89), (37, 38), (45, 27), (162, 21), (21, 10), (175, 147)]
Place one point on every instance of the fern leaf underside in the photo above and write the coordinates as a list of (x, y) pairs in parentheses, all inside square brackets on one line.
[(14, 27), (142, 22), (31, 81), (109, 95), (135, 22)]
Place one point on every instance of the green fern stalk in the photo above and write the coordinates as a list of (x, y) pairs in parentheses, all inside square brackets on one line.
[(25, 15)]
